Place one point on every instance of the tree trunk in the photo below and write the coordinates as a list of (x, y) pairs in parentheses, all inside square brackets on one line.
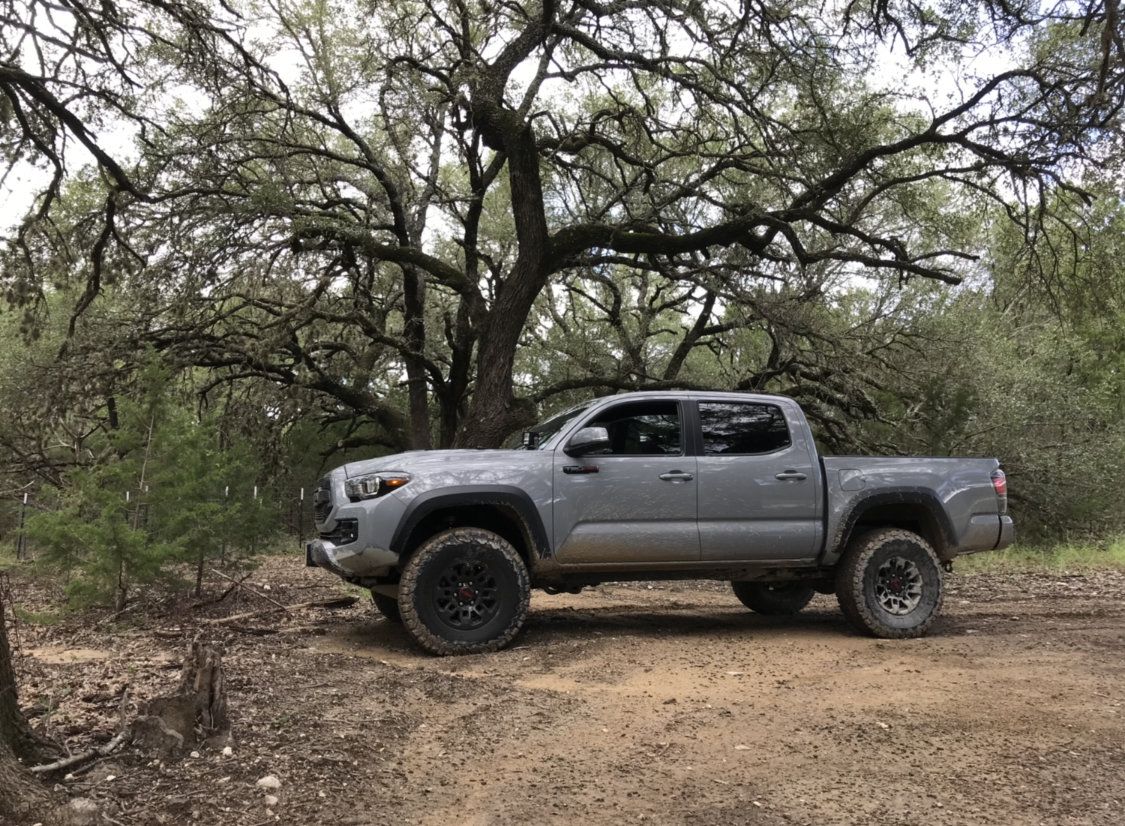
[(120, 591), (199, 574), (15, 733), (494, 412), (414, 331), (22, 797), (460, 338)]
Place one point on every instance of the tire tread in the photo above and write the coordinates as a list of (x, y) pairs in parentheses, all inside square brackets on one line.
[(850, 589), (758, 598), (408, 585)]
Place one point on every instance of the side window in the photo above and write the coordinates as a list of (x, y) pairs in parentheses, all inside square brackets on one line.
[(742, 428), (649, 428)]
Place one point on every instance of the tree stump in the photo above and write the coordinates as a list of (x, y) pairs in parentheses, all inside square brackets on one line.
[(197, 712)]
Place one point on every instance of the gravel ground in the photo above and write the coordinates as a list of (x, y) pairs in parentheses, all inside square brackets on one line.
[(662, 704)]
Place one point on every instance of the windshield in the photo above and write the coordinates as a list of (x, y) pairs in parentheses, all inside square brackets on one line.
[(548, 430)]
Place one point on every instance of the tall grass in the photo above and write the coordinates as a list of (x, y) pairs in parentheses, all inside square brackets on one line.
[(1068, 556)]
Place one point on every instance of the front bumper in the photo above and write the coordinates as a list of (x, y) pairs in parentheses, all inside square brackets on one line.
[(354, 537), (349, 562)]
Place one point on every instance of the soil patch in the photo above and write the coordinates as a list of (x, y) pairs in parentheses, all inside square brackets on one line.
[(663, 704)]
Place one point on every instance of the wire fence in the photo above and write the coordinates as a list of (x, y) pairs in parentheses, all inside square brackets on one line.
[(288, 514)]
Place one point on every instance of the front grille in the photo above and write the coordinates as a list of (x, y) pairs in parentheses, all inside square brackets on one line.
[(345, 532), (322, 500)]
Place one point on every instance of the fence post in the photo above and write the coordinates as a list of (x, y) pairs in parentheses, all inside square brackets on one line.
[(254, 535), (21, 540), (226, 510), (301, 520)]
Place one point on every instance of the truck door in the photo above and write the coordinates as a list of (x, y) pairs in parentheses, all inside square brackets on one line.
[(759, 484), (634, 503)]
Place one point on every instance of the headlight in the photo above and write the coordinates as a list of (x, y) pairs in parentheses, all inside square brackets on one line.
[(374, 485)]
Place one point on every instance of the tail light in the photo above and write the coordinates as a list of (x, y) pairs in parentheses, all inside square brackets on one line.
[(1000, 485)]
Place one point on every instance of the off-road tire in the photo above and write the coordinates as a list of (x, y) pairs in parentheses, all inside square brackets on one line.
[(889, 584), (464, 591), (387, 606), (773, 599)]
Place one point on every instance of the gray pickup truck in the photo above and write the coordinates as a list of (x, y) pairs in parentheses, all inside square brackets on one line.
[(651, 486)]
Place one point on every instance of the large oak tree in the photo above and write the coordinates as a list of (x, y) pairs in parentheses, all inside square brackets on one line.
[(392, 203)]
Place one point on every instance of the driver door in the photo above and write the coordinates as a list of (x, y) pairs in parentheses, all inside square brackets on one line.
[(632, 503)]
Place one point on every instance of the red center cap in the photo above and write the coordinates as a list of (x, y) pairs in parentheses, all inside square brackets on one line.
[(467, 594)]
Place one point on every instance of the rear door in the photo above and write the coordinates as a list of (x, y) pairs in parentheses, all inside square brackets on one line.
[(633, 504), (759, 483)]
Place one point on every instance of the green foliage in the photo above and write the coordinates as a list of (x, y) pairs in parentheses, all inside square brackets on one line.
[(1066, 557), (45, 618), (1028, 366), (162, 492)]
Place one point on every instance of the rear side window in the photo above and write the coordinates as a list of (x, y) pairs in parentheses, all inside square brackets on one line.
[(733, 428)]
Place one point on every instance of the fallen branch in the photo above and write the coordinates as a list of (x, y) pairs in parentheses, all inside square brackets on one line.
[(238, 583), (344, 602), (236, 586), (116, 615), (255, 630), (99, 751)]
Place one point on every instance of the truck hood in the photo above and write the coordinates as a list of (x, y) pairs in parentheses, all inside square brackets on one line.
[(423, 461)]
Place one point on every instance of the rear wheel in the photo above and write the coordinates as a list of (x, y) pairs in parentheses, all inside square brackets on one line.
[(773, 598), (464, 591), (387, 606), (890, 584)]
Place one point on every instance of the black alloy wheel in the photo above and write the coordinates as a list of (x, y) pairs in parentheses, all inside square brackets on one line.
[(464, 591)]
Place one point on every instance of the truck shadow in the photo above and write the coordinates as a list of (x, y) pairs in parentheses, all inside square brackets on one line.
[(600, 625), (549, 624)]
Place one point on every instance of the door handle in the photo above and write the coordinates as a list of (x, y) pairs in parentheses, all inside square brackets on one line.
[(791, 476), (676, 476)]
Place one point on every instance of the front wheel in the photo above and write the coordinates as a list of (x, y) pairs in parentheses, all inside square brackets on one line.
[(773, 599), (889, 584), (464, 591)]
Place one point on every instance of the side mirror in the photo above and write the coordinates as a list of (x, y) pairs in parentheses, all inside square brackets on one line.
[(587, 440)]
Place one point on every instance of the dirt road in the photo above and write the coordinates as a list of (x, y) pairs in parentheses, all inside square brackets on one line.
[(629, 704)]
